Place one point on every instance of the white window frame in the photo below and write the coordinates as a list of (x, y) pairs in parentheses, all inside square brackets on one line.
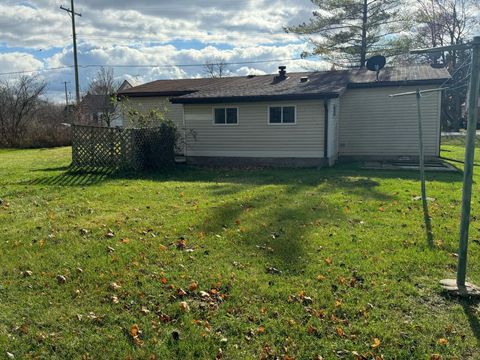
[(225, 109), (281, 119)]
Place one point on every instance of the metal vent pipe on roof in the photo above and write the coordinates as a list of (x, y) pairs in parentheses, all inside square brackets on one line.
[(282, 72)]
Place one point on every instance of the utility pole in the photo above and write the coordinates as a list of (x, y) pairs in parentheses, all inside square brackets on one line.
[(458, 285), (72, 14), (66, 94)]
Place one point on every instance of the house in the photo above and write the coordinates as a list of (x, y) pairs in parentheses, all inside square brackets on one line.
[(97, 109), (301, 118)]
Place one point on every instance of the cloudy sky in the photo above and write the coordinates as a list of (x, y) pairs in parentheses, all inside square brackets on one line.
[(35, 35)]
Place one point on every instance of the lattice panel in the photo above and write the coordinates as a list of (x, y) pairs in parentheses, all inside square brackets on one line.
[(122, 148)]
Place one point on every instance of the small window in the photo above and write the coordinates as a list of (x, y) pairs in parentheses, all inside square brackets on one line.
[(281, 115), (225, 116)]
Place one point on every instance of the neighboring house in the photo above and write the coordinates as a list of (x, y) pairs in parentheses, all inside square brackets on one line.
[(300, 119), (94, 108)]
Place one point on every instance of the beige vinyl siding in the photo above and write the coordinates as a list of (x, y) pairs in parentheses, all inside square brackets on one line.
[(374, 124), (253, 136), (174, 112)]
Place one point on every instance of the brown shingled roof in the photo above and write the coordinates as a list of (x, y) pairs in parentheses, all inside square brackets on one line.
[(267, 87)]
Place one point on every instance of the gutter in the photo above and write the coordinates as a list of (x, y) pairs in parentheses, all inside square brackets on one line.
[(155, 93), (251, 98), (396, 83)]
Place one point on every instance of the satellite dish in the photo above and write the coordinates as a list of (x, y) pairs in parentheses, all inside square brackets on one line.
[(376, 63)]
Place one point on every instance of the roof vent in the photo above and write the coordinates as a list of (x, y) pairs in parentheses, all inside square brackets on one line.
[(304, 79), (282, 72)]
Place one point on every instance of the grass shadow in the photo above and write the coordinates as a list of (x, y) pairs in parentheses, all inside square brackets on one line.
[(469, 307), (76, 176)]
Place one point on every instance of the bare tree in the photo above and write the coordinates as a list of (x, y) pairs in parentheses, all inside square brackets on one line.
[(449, 22), (19, 101), (215, 68), (104, 86)]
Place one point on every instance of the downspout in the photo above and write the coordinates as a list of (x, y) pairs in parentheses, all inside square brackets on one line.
[(184, 133), (325, 131)]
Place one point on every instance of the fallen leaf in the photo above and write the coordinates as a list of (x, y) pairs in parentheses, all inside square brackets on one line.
[(320, 277), (114, 286), (184, 306), (163, 280), (162, 247), (27, 273), (181, 292), (204, 294), (261, 329), (135, 333), (376, 343), (181, 244), (144, 310), (61, 279), (340, 332), (328, 261), (442, 341), (193, 286), (134, 330)]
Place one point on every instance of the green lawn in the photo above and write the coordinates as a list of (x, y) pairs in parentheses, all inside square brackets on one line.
[(296, 264)]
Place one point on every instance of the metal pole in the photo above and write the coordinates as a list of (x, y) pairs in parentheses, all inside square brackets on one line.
[(428, 224), (66, 94), (75, 60), (469, 159)]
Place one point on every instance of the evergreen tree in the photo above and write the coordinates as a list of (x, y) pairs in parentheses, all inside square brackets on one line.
[(347, 32)]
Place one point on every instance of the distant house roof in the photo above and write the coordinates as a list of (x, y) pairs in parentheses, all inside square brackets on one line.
[(95, 103), (125, 85), (296, 86)]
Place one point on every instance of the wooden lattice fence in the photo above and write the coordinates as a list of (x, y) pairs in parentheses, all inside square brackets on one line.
[(123, 148)]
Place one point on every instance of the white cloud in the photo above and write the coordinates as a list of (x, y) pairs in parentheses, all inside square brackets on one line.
[(149, 32), (19, 61)]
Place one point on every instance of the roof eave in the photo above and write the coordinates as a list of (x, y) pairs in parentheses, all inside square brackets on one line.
[(251, 98), (154, 93), (396, 83)]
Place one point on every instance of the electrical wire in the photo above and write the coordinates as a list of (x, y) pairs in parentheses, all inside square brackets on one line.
[(146, 66)]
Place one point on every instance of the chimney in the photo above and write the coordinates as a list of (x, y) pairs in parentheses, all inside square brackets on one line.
[(282, 72)]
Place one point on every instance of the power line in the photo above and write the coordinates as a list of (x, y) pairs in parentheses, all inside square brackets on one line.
[(36, 71), (186, 65), (146, 66)]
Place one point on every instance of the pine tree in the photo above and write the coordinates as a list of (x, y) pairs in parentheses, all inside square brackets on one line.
[(346, 32)]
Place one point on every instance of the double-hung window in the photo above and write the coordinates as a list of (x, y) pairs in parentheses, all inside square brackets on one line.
[(281, 115), (225, 116)]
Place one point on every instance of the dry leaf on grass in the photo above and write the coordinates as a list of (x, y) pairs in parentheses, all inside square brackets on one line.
[(376, 343), (261, 329), (184, 306), (340, 332), (442, 341), (193, 286)]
